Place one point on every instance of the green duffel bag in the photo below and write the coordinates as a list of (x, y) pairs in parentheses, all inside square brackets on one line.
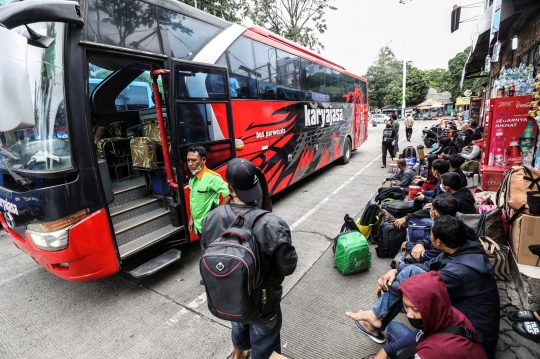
[(352, 253)]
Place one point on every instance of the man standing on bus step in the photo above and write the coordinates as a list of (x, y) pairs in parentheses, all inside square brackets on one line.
[(409, 123), (277, 256), (205, 187), (395, 124)]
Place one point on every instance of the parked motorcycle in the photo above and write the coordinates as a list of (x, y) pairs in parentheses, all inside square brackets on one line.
[(374, 122), (429, 136)]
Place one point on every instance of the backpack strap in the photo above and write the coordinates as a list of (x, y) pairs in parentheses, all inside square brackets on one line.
[(531, 178), (252, 216), (227, 215), (410, 351)]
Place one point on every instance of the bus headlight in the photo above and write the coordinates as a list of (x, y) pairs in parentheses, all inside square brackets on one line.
[(53, 236), (52, 241)]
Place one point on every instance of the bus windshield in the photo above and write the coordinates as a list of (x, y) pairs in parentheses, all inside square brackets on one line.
[(44, 147)]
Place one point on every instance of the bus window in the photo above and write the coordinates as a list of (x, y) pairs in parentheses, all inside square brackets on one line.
[(265, 65), (242, 77), (183, 36), (347, 87), (288, 76), (313, 86), (200, 122), (126, 23), (332, 85), (46, 146)]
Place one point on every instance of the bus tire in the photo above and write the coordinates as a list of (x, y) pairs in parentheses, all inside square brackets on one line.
[(347, 148)]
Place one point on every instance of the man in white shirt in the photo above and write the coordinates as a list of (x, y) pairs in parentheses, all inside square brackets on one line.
[(409, 123)]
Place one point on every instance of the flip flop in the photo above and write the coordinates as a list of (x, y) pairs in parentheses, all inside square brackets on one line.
[(522, 316), (529, 330), (377, 339)]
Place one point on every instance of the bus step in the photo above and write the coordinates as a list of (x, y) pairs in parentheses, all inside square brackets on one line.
[(156, 263)]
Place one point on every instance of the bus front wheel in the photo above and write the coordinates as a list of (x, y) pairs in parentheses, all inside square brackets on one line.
[(346, 152)]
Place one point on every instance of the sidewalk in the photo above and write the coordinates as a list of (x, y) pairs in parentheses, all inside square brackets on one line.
[(512, 345)]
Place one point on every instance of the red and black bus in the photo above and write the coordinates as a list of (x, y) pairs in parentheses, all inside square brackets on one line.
[(86, 208)]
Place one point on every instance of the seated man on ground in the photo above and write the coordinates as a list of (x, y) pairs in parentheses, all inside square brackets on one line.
[(421, 249), (451, 183), (467, 273), (403, 178), (455, 162), (428, 307)]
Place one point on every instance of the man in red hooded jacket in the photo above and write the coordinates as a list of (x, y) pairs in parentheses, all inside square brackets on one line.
[(427, 304)]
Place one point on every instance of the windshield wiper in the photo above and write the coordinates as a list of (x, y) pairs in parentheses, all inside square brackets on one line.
[(25, 182)]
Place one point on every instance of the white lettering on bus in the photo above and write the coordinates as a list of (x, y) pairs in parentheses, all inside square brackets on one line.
[(8, 206), (321, 116)]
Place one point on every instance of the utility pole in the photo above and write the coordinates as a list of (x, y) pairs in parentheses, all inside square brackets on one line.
[(195, 1), (404, 85)]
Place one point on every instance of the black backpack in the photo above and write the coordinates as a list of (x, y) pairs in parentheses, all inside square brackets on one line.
[(398, 209), (390, 192), (348, 225), (390, 240), (408, 151), (231, 269), (370, 215)]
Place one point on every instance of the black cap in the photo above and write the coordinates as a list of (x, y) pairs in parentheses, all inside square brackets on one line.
[(242, 176)]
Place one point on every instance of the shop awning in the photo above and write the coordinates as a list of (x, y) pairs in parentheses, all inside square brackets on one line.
[(515, 16), (429, 103), (463, 101)]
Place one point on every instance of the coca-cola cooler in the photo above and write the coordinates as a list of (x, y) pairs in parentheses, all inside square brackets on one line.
[(510, 138)]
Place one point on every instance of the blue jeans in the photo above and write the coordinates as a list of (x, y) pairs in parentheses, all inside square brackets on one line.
[(389, 304), (399, 337), (262, 339)]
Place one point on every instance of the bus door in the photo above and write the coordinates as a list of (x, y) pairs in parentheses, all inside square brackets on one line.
[(201, 113)]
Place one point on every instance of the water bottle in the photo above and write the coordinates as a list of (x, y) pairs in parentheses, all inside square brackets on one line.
[(526, 143)]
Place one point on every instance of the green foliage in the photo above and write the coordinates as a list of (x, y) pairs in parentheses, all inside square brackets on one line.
[(384, 70), (455, 69), (417, 86), (437, 79), (297, 20), (230, 10)]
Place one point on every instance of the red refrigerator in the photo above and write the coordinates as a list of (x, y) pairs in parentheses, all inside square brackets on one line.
[(510, 138)]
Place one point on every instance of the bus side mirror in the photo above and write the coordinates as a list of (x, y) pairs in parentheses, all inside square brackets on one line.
[(15, 95)]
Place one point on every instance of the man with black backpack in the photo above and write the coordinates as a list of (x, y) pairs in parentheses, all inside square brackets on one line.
[(238, 237)]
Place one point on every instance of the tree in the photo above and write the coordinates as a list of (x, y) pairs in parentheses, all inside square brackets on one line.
[(455, 69), (297, 20), (230, 10), (384, 70), (437, 79), (415, 90)]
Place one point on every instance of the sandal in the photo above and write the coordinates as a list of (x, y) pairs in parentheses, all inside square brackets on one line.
[(522, 316), (529, 330), (379, 339)]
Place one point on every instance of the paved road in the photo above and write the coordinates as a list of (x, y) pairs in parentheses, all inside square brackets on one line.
[(165, 316)]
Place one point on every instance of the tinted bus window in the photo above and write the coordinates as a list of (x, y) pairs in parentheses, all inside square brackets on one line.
[(265, 65), (362, 86), (333, 86), (124, 23), (183, 36), (242, 76), (200, 122), (347, 87), (209, 84), (288, 76), (313, 82)]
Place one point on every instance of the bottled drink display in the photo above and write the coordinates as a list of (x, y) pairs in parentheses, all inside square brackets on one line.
[(521, 77), (526, 143), (496, 155), (514, 155)]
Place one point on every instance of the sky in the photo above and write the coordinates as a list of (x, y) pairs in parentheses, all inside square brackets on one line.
[(359, 28)]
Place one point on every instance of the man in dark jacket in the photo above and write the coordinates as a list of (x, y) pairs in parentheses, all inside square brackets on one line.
[(428, 307), (451, 182), (403, 178), (467, 273), (277, 257)]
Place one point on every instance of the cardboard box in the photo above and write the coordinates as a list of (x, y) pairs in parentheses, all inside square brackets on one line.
[(277, 356), (393, 168), (522, 235), (492, 177)]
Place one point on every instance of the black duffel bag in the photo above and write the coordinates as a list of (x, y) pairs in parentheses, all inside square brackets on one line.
[(398, 209), (390, 192)]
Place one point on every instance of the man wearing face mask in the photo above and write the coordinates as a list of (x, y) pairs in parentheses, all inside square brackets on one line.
[(205, 187), (467, 274), (429, 310)]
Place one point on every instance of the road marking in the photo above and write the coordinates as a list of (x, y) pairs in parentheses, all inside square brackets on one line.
[(193, 305), (197, 301), (336, 191)]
